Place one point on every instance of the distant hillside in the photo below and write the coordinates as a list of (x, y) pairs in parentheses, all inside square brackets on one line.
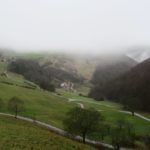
[(111, 68), (108, 70), (7, 52), (134, 85), (79, 68), (139, 54), (59, 67), (84, 66), (43, 75)]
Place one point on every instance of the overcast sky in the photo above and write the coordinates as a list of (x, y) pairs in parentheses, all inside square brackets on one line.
[(77, 25)]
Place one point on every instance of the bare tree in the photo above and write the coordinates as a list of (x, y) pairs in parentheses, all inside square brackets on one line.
[(16, 105), (82, 121)]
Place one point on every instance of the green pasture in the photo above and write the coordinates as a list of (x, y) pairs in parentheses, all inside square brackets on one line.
[(21, 135)]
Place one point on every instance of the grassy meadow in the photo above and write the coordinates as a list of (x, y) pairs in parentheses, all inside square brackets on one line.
[(110, 111), (20, 135), (52, 107)]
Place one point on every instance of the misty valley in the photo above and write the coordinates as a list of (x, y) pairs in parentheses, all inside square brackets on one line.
[(74, 75), (103, 98)]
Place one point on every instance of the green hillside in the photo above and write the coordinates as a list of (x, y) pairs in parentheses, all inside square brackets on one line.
[(20, 135), (52, 107), (40, 104), (130, 89), (77, 64)]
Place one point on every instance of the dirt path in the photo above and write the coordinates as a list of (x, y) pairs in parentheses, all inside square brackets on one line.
[(81, 105), (73, 100), (136, 114), (63, 133), (121, 111), (60, 131)]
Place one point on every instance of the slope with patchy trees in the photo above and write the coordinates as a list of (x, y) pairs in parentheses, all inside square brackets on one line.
[(131, 89), (110, 69), (46, 77)]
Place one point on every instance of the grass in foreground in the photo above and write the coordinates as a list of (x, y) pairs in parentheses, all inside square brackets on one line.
[(52, 109), (20, 135)]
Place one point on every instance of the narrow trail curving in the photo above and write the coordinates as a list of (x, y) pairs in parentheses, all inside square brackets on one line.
[(120, 111), (75, 100), (136, 114), (61, 132), (81, 105)]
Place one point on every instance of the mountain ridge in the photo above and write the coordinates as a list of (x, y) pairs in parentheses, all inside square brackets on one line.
[(133, 85)]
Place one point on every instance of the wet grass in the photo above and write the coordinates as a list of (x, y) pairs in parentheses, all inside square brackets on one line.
[(20, 135)]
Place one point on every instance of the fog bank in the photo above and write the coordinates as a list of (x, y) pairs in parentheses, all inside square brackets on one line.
[(81, 26)]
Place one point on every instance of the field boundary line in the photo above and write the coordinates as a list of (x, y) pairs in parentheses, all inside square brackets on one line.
[(62, 132)]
